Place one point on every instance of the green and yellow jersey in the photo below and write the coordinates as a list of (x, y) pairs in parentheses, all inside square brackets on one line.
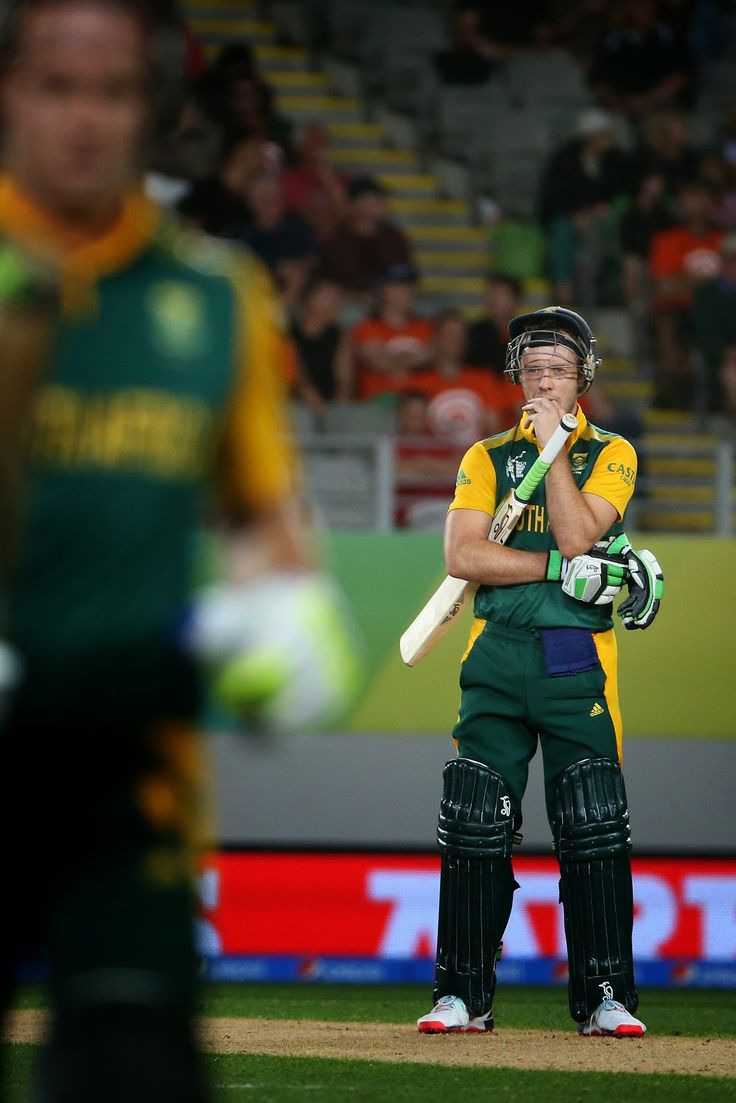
[(162, 391), (602, 463)]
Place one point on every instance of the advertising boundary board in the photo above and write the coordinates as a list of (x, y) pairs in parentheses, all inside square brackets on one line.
[(371, 918)]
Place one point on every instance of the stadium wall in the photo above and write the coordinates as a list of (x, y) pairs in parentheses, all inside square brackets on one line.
[(376, 783)]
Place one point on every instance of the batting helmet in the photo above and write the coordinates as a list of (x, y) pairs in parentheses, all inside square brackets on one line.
[(553, 325)]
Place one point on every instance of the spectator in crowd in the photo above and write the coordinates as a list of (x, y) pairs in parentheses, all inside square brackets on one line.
[(313, 188), (379, 355), (412, 419), (234, 60), (718, 168), (176, 40), (471, 58), (185, 153), (234, 94), (665, 150), (366, 243), (580, 27), (649, 213), (465, 403), (285, 242), (425, 466), (640, 63), (218, 204), (580, 182), (489, 335), (525, 25), (680, 259), (727, 380), (316, 335), (714, 321), (249, 107)]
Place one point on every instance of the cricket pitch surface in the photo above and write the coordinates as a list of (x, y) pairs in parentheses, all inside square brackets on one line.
[(519, 1049)]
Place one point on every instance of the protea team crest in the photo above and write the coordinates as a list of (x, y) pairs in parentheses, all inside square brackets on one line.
[(177, 319)]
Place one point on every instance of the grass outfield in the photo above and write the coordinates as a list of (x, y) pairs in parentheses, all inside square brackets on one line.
[(241, 1076)]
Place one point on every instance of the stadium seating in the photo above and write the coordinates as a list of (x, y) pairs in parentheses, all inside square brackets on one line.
[(500, 132)]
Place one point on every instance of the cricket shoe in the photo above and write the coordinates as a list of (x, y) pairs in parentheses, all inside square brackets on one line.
[(450, 1016), (611, 1019)]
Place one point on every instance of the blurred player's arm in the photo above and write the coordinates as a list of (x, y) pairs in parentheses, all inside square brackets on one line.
[(29, 308), (274, 631)]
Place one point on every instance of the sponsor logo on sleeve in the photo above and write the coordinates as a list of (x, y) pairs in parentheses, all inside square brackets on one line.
[(627, 475)]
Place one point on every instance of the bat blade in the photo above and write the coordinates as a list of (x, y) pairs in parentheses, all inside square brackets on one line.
[(505, 517), (435, 620)]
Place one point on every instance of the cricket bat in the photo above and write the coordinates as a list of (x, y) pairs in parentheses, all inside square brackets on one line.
[(454, 594)]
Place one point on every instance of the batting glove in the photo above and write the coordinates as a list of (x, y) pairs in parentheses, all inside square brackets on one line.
[(26, 281), (646, 587), (282, 653), (596, 577)]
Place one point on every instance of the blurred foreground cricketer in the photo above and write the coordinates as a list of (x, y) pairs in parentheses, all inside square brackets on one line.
[(139, 393), (541, 667)]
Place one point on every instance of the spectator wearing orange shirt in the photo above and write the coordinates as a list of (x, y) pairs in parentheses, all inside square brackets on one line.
[(679, 259), (465, 403), (379, 356)]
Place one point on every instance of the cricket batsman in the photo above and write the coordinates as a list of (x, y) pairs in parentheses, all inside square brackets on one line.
[(140, 396), (540, 669)]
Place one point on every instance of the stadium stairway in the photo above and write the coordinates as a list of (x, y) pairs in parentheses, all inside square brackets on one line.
[(690, 476), (684, 469), (451, 253)]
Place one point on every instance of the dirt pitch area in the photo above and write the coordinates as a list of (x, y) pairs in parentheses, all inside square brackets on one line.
[(520, 1049)]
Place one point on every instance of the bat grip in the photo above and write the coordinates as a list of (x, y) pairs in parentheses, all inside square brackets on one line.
[(558, 440)]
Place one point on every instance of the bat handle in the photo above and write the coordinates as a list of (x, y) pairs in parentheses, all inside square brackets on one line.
[(555, 444)]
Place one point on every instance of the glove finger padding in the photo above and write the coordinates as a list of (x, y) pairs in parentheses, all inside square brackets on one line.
[(646, 587), (594, 579), (617, 546)]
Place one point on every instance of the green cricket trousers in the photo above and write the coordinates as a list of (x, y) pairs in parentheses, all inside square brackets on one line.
[(509, 701)]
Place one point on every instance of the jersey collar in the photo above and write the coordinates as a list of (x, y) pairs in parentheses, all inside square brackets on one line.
[(81, 262), (528, 433)]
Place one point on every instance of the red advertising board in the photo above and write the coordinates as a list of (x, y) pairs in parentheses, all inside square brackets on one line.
[(385, 907)]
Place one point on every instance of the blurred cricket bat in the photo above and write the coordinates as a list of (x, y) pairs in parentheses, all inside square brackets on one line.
[(454, 594)]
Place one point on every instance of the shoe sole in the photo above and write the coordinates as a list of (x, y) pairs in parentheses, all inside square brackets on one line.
[(619, 1032), (440, 1028)]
